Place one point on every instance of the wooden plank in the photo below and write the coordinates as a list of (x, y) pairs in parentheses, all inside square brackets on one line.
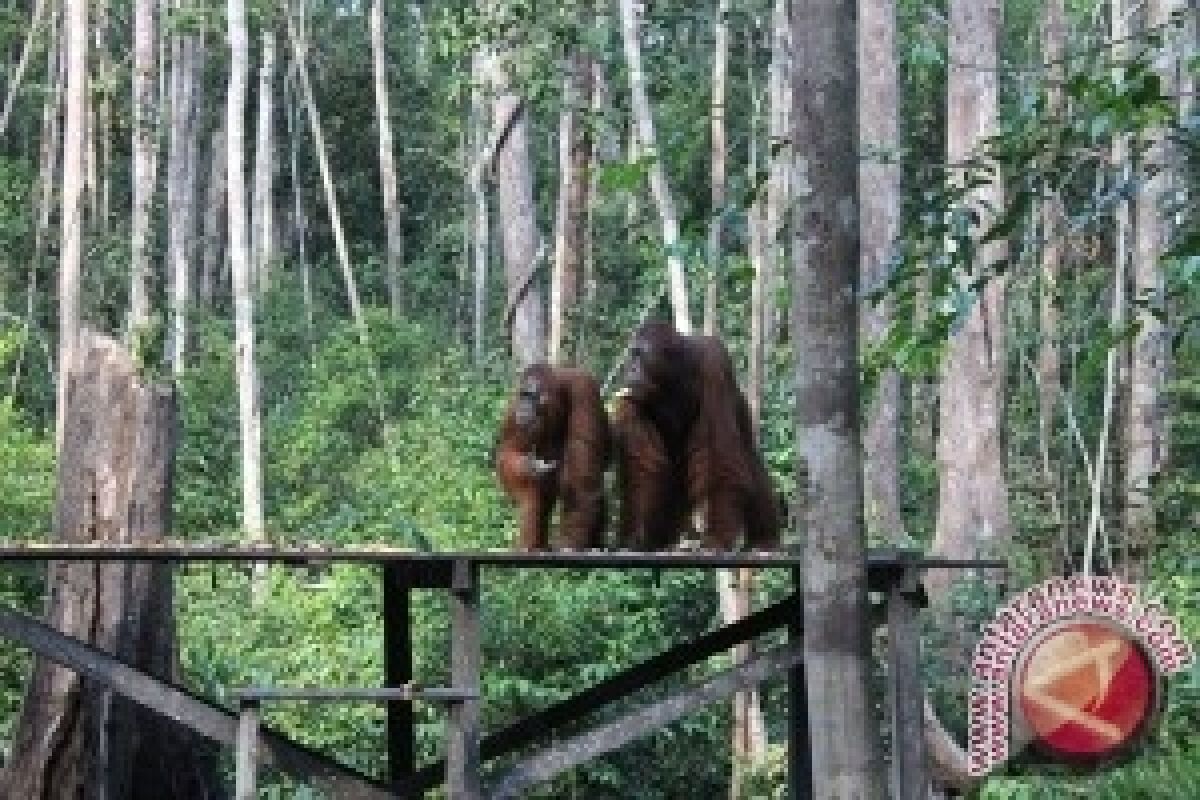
[(246, 754), (542, 723), (398, 671), (613, 735), (301, 555), (906, 692), (356, 694), (185, 708), (462, 747)]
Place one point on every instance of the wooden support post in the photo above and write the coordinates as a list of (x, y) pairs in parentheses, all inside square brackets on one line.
[(799, 747), (246, 787), (462, 747), (906, 692), (398, 671)]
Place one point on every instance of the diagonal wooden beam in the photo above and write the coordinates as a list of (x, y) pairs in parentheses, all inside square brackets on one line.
[(624, 683), (584, 747), (208, 720)]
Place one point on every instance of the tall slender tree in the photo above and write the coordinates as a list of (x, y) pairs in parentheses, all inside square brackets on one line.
[(825, 335), (393, 221), (717, 149), (643, 122), (972, 516), (573, 147), (263, 205), (879, 181), (145, 123), (75, 22), (249, 412)]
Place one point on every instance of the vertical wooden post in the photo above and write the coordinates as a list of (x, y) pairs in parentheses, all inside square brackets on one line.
[(247, 750), (799, 746), (462, 748), (906, 693), (398, 670)]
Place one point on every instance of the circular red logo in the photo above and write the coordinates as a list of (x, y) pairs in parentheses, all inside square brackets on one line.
[(1086, 689)]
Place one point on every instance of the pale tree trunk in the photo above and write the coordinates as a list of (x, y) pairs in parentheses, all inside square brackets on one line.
[(825, 335), (783, 164), (1146, 433), (879, 182), (478, 212), (103, 115), (659, 187), (717, 165), (249, 412), (299, 49), (573, 151), (182, 165), (213, 259), (145, 124), (74, 739), (387, 162), (518, 219), (18, 72), (1053, 230), (263, 214), (1122, 239), (75, 22), (972, 518), (299, 218), (597, 155)]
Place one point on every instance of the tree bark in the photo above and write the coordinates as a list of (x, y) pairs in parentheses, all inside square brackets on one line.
[(717, 173), (299, 48), (387, 163), (972, 518), (145, 124), (299, 217), (643, 121), (1146, 433), (74, 740), (478, 212), (18, 73), (75, 21), (249, 413), (825, 334), (879, 182), (263, 214), (518, 219), (573, 151), (182, 165), (1054, 37), (783, 164)]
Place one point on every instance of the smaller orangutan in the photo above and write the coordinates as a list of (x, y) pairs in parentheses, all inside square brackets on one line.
[(553, 448), (686, 447)]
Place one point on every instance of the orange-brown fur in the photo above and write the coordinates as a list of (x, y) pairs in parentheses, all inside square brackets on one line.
[(572, 433), (687, 445)]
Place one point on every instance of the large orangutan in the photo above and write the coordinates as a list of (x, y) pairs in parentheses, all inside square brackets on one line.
[(686, 447), (553, 447)]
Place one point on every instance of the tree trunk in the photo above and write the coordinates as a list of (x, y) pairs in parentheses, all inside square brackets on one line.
[(659, 187), (783, 164), (825, 334), (249, 413), (18, 73), (145, 124), (74, 739), (1146, 432), (879, 182), (972, 518), (299, 48), (213, 260), (717, 167), (479, 208), (182, 165), (1054, 37), (518, 220), (387, 163), (299, 218), (75, 21), (574, 144), (263, 214)]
